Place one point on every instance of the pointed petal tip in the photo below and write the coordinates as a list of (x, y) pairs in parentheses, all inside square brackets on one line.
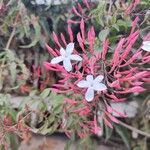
[(75, 57), (67, 65), (69, 48), (57, 60)]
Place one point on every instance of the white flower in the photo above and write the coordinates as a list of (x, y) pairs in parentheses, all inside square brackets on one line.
[(146, 46), (66, 56), (92, 85)]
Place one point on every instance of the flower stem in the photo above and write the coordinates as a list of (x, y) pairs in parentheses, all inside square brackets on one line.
[(134, 129)]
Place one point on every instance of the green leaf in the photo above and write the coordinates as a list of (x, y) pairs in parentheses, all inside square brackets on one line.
[(13, 142), (123, 132), (108, 133), (116, 27), (103, 34), (37, 29), (13, 71), (68, 145), (125, 23), (45, 93), (10, 55)]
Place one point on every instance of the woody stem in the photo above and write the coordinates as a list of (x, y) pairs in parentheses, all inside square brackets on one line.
[(134, 129)]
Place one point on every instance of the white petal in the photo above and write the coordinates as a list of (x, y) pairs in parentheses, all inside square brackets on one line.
[(99, 78), (146, 43), (146, 48), (69, 48), (89, 95), (62, 52), (57, 60), (67, 64), (83, 84), (99, 87), (75, 57), (89, 78)]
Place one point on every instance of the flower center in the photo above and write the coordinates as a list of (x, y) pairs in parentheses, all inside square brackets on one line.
[(92, 84), (66, 56)]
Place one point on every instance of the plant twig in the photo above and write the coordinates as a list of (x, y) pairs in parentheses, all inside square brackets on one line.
[(134, 129), (12, 33), (10, 38)]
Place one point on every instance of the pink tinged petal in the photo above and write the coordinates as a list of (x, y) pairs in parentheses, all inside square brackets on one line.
[(57, 60), (99, 87), (83, 84), (99, 78), (67, 64), (89, 95), (62, 52), (69, 48), (89, 78), (75, 57)]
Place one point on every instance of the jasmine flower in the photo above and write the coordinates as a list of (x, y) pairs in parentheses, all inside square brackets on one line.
[(92, 85), (66, 56)]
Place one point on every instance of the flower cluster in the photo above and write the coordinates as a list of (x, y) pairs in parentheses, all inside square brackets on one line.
[(91, 80)]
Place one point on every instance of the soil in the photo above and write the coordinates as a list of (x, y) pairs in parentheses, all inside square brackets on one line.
[(39, 142)]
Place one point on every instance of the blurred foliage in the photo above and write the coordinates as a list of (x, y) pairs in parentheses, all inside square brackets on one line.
[(24, 30)]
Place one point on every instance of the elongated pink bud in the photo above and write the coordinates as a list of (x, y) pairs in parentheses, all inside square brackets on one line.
[(70, 33), (63, 39), (112, 118), (131, 90), (115, 84), (111, 110), (70, 101), (136, 76), (82, 29), (86, 3), (115, 98), (96, 128), (115, 58), (134, 24), (107, 122), (105, 49), (56, 39), (76, 12), (80, 40), (128, 48), (91, 39), (51, 51), (80, 8), (133, 58)]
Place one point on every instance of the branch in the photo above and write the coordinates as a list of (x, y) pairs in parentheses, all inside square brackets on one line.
[(134, 129)]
